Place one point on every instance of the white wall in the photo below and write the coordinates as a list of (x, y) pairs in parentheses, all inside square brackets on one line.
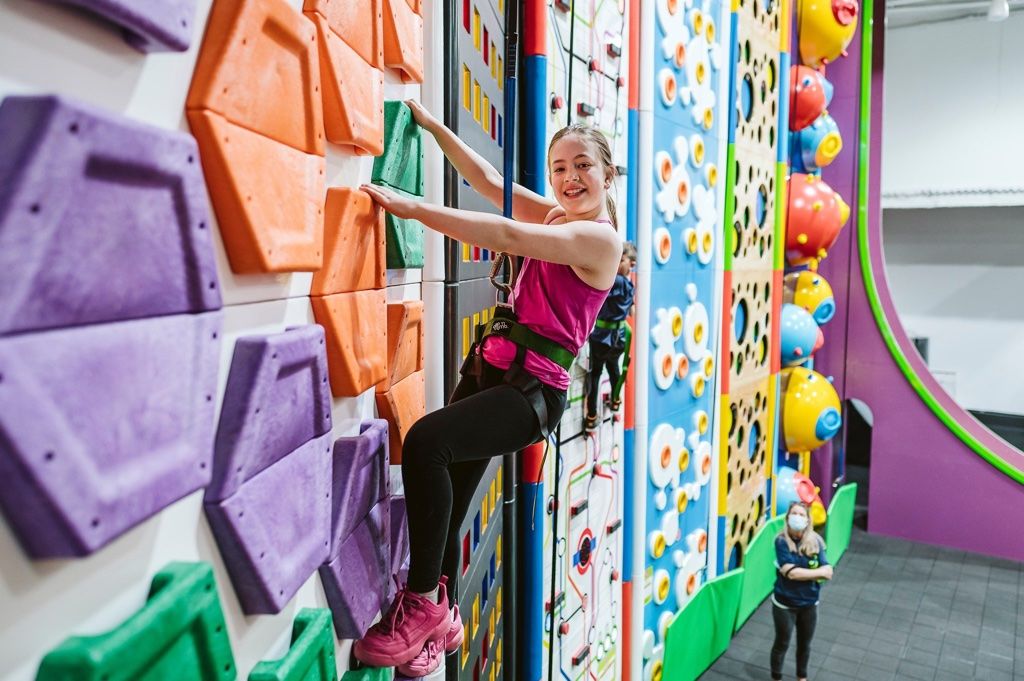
[(55, 49), (957, 277), (954, 107)]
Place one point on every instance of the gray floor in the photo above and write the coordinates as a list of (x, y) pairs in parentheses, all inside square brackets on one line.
[(900, 610)]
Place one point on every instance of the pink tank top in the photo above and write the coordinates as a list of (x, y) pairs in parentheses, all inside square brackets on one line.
[(552, 300)]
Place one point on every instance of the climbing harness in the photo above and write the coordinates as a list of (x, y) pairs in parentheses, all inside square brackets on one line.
[(626, 356)]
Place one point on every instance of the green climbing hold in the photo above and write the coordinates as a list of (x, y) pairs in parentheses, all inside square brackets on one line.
[(401, 165), (178, 634), (311, 655), (403, 241), (370, 674)]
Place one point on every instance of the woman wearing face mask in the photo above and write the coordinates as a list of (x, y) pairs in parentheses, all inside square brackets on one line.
[(802, 567)]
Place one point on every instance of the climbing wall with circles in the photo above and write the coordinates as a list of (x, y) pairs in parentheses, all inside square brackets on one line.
[(583, 533), (592, 37), (676, 449), (583, 487), (752, 277)]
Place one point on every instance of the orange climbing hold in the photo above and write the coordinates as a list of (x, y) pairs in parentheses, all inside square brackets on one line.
[(405, 342), (353, 94), (403, 40), (354, 255), (260, 69), (356, 331), (402, 406), (358, 23), (270, 221)]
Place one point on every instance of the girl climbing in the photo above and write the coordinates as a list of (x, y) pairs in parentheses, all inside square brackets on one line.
[(514, 381)]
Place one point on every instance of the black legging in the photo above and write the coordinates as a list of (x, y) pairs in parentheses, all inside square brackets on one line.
[(444, 457), (601, 357), (805, 619)]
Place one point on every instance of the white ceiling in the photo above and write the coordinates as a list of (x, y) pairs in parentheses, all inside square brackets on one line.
[(903, 13)]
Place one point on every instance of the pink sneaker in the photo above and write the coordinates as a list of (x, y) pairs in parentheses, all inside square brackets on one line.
[(409, 623), (430, 656)]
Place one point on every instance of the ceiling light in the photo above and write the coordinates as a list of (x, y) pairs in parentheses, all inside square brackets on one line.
[(998, 10)]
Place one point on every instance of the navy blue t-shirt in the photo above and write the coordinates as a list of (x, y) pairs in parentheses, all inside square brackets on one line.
[(790, 592), (616, 308)]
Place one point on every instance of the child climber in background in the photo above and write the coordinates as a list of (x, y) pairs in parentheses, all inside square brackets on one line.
[(611, 338)]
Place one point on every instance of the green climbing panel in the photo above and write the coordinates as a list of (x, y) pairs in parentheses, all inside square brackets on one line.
[(404, 242), (701, 632), (840, 522), (311, 655), (401, 165), (178, 634), (759, 568), (370, 674)]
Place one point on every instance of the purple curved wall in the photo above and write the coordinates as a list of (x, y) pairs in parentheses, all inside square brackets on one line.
[(926, 484)]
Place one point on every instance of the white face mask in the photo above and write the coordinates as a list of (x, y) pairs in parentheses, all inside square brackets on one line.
[(798, 523)]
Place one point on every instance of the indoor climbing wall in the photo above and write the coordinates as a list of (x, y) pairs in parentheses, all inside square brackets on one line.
[(753, 275), (474, 105), (681, 258), (592, 38), (214, 343), (571, 496), (582, 549)]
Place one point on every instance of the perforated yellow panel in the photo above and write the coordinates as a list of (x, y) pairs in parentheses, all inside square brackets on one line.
[(748, 399)]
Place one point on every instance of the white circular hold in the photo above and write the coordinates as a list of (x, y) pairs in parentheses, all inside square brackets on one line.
[(703, 462), (708, 365), (691, 241), (691, 292), (664, 361), (670, 526), (660, 500), (664, 620), (663, 167), (711, 174), (662, 587), (668, 86), (697, 151), (663, 456), (697, 385), (647, 643), (679, 558), (701, 421), (696, 331), (681, 498), (662, 243), (705, 243), (656, 544)]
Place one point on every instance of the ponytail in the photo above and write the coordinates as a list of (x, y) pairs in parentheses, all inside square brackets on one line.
[(609, 203)]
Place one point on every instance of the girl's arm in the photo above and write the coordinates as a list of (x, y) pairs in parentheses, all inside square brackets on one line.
[(799, 574), (591, 248), (527, 206)]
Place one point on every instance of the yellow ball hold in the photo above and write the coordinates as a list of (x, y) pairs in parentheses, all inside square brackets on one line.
[(810, 409)]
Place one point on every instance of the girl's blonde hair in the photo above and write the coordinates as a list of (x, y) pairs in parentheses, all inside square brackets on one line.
[(604, 155), (811, 542)]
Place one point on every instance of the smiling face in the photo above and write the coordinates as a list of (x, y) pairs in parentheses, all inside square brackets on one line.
[(578, 177)]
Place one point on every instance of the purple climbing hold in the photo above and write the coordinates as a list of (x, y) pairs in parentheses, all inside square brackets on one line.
[(277, 398), (274, 531), (149, 26), (103, 426), (361, 478), (357, 580), (101, 218), (399, 539)]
